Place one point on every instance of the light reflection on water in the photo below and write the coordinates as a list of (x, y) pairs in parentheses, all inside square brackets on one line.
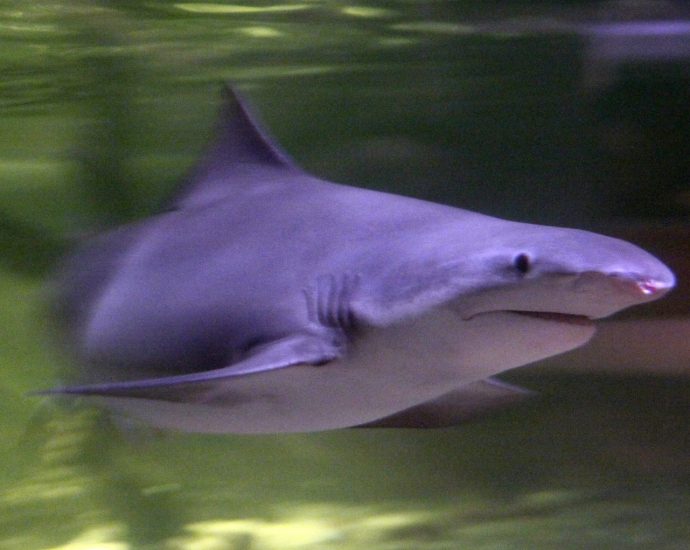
[(105, 105)]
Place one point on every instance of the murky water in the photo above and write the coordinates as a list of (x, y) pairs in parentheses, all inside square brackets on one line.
[(571, 113)]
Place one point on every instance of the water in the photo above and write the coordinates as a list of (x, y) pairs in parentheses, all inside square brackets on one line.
[(535, 111)]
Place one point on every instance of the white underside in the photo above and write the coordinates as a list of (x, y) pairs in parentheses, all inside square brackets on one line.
[(385, 371)]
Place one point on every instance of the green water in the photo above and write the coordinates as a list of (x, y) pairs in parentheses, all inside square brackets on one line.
[(486, 105)]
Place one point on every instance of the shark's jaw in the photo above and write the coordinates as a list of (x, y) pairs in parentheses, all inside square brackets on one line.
[(522, 323), (565, 298), (544, 316), (567, 318)]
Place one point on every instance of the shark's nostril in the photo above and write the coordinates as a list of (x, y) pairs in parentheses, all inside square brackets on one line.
[(648, 287)]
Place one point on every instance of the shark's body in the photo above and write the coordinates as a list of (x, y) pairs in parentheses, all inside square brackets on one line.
[(270, 301)]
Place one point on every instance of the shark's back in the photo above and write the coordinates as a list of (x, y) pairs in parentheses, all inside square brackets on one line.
[(195, 285)]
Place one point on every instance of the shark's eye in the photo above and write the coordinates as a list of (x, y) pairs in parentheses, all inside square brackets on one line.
[(522, 263)]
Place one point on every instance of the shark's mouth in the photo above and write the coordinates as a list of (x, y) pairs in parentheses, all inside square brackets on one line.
[(558, 317)]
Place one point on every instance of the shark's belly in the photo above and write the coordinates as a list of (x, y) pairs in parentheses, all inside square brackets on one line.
[(386, 371)]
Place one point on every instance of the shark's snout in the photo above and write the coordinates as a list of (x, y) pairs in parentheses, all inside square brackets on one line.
[(644, 275), (646, 288), (606, 293)]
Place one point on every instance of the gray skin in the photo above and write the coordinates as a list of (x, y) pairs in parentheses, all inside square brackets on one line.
[(267, 300)]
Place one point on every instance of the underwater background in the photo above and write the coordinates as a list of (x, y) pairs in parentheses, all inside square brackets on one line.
[(569, 113)]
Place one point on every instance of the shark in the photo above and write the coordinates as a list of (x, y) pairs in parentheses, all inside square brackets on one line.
[(267, 300)]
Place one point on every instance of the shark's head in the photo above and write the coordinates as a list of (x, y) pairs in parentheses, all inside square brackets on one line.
[(519, 293), (566, 274), (486, 265)]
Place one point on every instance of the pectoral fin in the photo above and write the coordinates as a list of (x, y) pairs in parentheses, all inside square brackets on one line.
[(294, 350), (456, 407)]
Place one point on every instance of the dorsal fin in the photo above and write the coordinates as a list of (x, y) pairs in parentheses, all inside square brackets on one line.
[(238, 154), (240, 138)]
